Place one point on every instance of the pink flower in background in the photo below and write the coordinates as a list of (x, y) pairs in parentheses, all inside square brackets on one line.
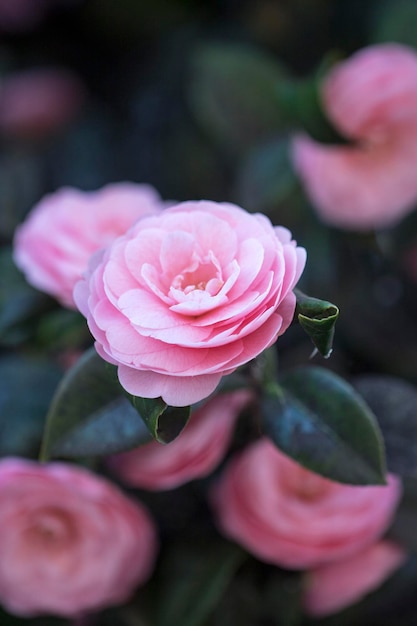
[(333, 587), (286, 515), (37, 102), (52, 247), (189, 295), (194, 454), (70, 541), (371, 99), (21, 15)]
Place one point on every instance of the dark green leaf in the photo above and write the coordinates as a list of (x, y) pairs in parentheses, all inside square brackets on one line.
[(395, 21), (260, 594), (394, 402), (319, 420), (26, 388), (233, 93), (318, 319), (19, 302), (266, 177), (90, 415), (283, 595), (62, 329), (195, 575), (164, 422), (302, 103)]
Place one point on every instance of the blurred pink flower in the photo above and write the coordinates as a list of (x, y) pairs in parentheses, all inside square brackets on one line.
[(39, 101), (194, 454), (70, 541), (189, 295), (333, 587), (287, 515), (371, 99), (22, 15), (52, 247)]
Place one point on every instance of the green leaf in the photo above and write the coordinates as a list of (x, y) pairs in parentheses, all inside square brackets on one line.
[(266, 178), (395, 21), (319, 420), (27, 385), (260, 594), (233, 93), (394, 403), (62, 329), (318, 319), (163, 422), (89, 414), (194, 576), (19, 302), (301, 102)]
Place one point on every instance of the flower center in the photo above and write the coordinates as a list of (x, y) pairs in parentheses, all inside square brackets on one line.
[(51, 527), (200, 275)]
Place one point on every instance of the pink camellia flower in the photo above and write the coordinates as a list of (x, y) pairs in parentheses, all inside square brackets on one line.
[(194, 454), (189, 295), (52, 247), (335, 586), (372, 100), (70, 541), (287, 515), (37, 102)]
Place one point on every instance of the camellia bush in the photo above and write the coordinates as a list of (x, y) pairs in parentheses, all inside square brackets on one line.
[(208, 338)]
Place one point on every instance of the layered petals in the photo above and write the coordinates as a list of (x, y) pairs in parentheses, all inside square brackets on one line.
[(54, 244), (333, 587), (289, 516), (189, 295), (369, 183), (71, 542)]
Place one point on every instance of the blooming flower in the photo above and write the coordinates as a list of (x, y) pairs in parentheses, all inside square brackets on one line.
[(335, 586), (287, 515), (188, 296), (194, 454), (371, 99), (52, 247), (70, 541)]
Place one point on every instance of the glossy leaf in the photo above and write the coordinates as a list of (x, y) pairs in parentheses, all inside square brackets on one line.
[(318, 319), (163, 422), (233, 93), (394, 402), (195, 575), (90, 415), (319, 420)]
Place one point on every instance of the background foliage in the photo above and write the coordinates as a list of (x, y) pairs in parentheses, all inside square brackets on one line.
[(199, 98)]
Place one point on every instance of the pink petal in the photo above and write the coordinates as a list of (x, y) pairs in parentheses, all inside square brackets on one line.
[(174, 391)]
